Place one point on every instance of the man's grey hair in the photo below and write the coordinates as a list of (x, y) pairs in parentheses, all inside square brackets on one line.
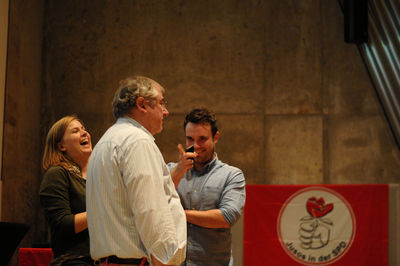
[(129, 90)]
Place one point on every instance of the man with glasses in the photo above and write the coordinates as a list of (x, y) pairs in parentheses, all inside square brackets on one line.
[(134, 212)]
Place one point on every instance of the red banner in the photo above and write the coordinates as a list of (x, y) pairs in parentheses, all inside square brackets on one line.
[(316, 225), (35, 256)]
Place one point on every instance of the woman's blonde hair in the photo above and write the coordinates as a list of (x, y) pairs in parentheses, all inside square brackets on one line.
[(52, 156)]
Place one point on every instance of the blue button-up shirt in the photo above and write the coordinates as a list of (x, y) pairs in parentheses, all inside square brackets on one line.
[(217, 186)]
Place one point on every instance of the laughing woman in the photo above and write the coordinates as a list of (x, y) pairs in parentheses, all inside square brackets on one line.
[(63, 190)]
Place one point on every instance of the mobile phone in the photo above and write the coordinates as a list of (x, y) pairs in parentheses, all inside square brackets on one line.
[(190, 149)]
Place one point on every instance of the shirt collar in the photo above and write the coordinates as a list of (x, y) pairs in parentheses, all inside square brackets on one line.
[(210, 165), (127, 119)]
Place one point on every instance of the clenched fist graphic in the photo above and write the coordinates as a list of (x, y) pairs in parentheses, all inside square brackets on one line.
[(314, 230)]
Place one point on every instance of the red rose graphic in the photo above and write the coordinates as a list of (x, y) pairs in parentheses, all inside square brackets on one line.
[(318, 208)]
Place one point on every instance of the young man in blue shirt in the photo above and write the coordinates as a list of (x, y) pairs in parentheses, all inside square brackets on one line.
[(212, 192)]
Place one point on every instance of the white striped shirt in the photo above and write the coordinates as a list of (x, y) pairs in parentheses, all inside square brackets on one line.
[(133, 209)]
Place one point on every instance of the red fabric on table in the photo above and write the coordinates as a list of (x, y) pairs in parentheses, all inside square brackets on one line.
[(262, 245), (35, 256)]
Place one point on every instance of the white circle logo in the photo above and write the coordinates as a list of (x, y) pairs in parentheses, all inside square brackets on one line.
[(316, 226)]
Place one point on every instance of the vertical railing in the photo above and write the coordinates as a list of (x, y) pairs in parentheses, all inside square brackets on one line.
[(380, 50), (381, 55)]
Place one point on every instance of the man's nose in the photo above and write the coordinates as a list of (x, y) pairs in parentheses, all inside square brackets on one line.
[(196, 145), (165, 112)]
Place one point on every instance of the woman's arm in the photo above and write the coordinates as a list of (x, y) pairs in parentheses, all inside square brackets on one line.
[(80, 222)]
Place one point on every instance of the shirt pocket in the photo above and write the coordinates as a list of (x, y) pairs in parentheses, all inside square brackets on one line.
[(210, 197)]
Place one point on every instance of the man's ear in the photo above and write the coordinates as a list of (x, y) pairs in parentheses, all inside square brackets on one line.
[(140, 104), (61, 147), (216, 136)]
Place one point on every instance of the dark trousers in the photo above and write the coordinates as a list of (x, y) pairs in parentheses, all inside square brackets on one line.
[(77, 262)]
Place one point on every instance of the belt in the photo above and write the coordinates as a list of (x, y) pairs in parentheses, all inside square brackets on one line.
[(116, 260)]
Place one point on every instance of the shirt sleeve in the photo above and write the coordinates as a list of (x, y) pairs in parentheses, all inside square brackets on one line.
[(147, 179), (54, 197), (233, 197)]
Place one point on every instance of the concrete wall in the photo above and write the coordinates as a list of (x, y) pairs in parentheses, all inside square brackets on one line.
[(4, 8), (294, 101), (22, 138)]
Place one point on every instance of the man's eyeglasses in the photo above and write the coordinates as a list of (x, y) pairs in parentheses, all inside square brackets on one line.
[(163, 103)]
